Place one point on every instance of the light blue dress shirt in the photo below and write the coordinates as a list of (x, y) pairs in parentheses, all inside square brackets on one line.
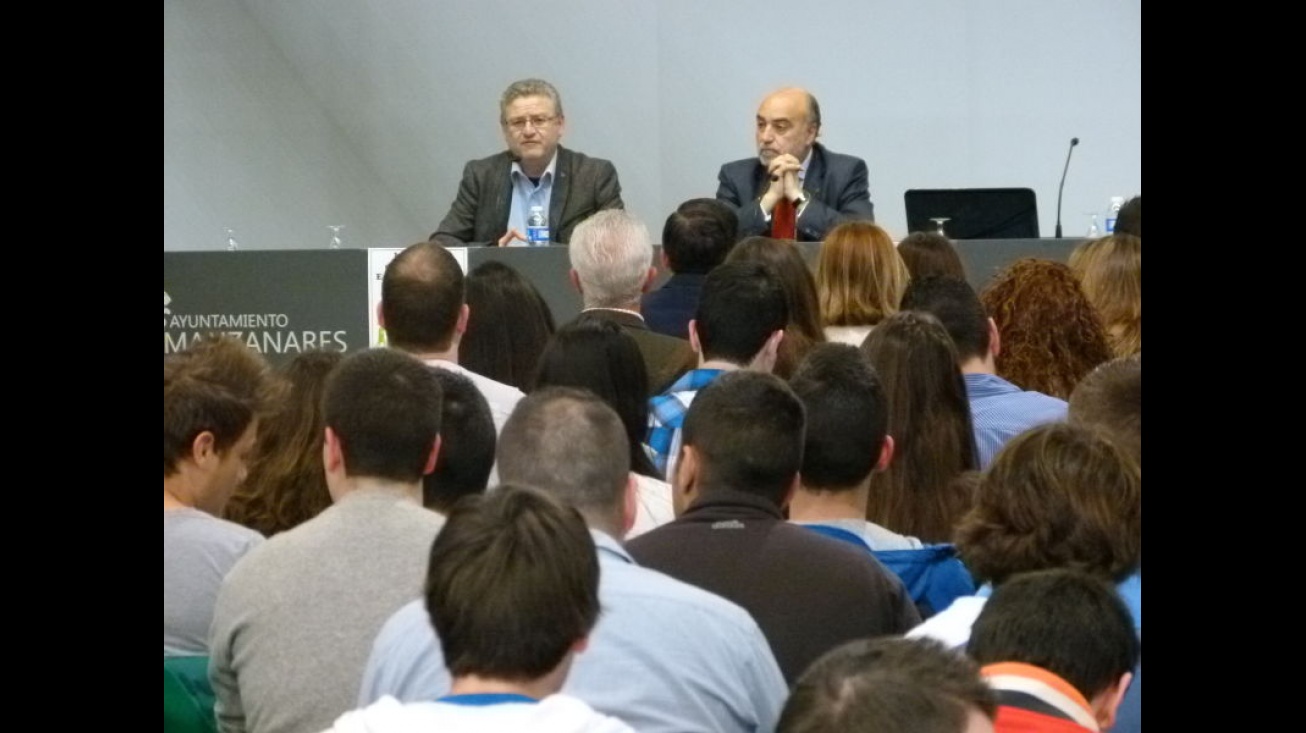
[(1000, 411), (526, 194), (665, 656)]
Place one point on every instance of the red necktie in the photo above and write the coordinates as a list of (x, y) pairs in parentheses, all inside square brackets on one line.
[(784, 220)]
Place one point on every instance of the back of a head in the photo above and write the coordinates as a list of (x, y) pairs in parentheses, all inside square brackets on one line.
[(572, 445), (747, 430), (859, 275), (1067, 622), (957, 306), (930, 253), (698, 235), (741, 305), (611, 254), (1130, 218), (467, 443), (1110, 399), (286, 485), (509, 325), (384, 407), (218, 385), (847, 416), (1055, 496), (1051, 333), (929, 419), (422, 294), (512, 584), (1110, 270), (596, 354), (889, 685), (786, 261)]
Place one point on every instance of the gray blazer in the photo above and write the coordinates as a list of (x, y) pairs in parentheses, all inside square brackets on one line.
[(479, 216), (835, 184)]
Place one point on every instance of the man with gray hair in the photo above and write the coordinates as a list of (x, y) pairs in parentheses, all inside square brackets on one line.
[(612, 268), (497, 193)]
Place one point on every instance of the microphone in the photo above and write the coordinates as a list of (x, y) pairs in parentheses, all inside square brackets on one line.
[(1073, 142)]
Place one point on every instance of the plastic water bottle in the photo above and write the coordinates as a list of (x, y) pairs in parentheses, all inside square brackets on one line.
[(1092, 228), (1112, 213), (537, 227)]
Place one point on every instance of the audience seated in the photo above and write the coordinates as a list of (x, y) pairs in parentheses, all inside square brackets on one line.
[(930, 253), (890, 685), (467, 443), (845, 442), (739, 463), (296, 616), (666, 657), (286, 485), (214, 394), (1110, 399), (611, 267), (696, 238), (509, 325), (1130, 218), (597, 355), (739, 325), (1051, 334), (999, 409), (1059, 648), (929, 419), (804, 327), (859, 280), (1110, 270), (512, 591)]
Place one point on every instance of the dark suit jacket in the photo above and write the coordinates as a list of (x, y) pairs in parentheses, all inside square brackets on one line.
[(836, 186), (479, 216), (670, 308), (665, 357)]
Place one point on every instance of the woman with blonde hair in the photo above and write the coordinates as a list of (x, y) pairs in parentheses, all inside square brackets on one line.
[(1110, 270), (860, 278)]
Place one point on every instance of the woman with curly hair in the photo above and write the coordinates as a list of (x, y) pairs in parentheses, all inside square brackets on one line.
[(286, 485), (859, 280), (786, 261), (1110, 270), (919, 495), (1051, 334)]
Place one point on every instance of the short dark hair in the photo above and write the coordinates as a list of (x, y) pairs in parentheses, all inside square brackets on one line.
[(957, 306), (741, 305), (887, 685), (422, 293), (1130, 218), (467, 442), (571, 444), (509, 325), (512, 584), (1056, 496), (846, 416), (930, 253), (1067, 622), (698, 235), (594, 353), (218, 385), (747, 429), (384, 406), (1110, 399)]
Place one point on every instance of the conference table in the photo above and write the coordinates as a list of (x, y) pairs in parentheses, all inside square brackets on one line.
[(285, 301)]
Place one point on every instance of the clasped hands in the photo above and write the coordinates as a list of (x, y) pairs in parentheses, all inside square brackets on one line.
[(783, 170)]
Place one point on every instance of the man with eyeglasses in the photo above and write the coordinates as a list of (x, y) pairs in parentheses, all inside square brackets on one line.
[(824, 188), (497, 193)]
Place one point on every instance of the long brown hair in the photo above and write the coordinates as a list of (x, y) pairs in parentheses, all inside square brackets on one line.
[(1110, 270), (860, 278), (804, 327)]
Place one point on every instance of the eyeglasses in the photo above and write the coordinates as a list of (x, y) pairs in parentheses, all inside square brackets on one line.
[(518, 124)]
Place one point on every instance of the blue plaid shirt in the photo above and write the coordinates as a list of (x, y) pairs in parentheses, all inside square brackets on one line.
[(666, 416)]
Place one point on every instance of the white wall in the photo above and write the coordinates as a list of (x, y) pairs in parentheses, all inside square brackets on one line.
[(283, 117)]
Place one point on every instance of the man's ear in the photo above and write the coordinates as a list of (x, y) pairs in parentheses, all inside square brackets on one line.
[(886, 453), (464, 315), (204, 449), (662, 257), (1107, 703), (766, 358), (380, 315), (995, 341), (684, 485), (333, 458), (574, 278), (693, 338), (432, 459), (648, 280)]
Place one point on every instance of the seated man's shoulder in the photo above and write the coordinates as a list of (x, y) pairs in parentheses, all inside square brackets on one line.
[(678, 603)]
